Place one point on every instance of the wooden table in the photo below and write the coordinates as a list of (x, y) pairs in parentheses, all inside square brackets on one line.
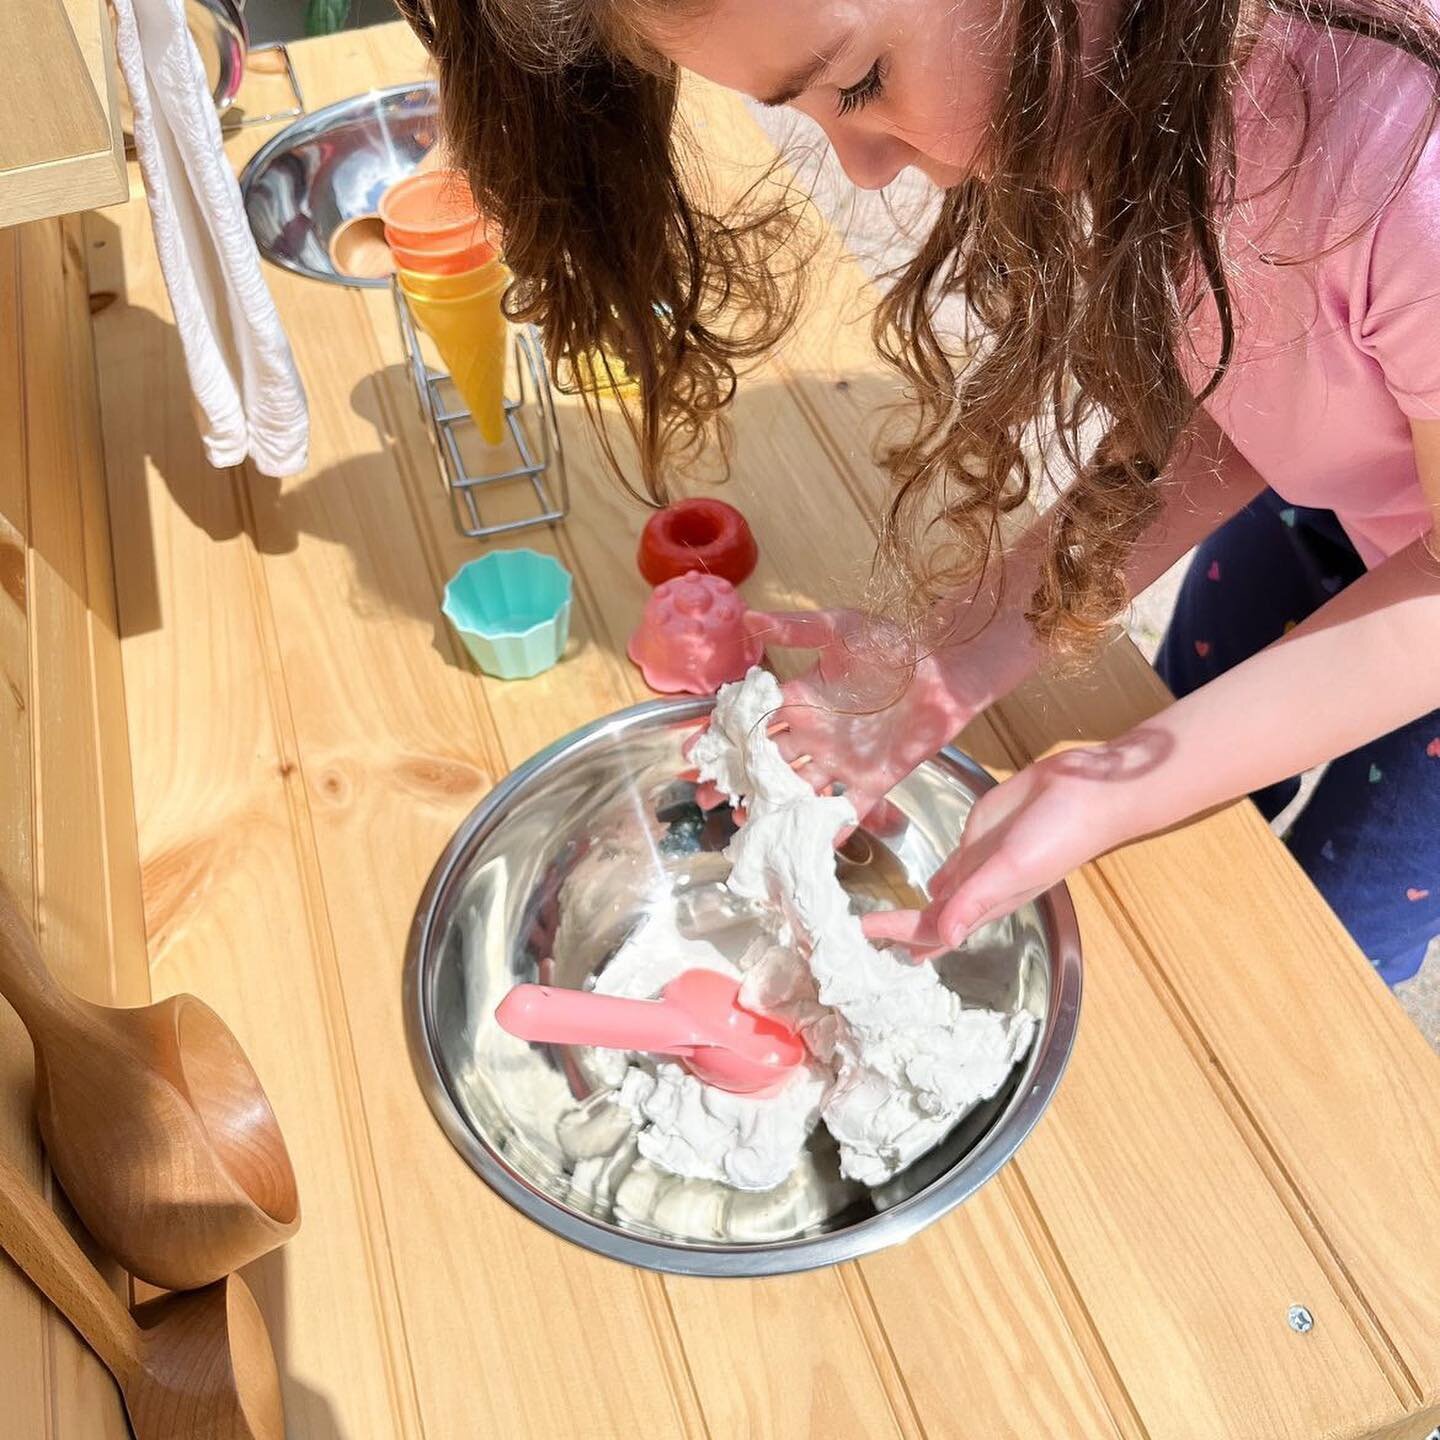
[(1248, 1123)]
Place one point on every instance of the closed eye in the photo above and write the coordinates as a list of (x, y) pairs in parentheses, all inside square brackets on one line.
[(863, 92)]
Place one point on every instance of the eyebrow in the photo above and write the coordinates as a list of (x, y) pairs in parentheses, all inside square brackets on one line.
[(800, 80)]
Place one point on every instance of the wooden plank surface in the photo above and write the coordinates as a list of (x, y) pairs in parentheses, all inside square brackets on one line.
[(1247, 1017), (48, 108), (230, 897), (64, 793), (61, 149), (24, 1359), (1304, 1044), (306, 735)]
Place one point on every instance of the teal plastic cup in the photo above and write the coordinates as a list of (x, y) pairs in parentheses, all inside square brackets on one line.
[(512, 610)]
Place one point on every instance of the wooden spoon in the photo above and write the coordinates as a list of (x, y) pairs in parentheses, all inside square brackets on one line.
[(197, 1366), (154, 1124)]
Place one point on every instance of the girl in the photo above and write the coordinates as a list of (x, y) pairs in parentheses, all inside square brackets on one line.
[(1201, 243)]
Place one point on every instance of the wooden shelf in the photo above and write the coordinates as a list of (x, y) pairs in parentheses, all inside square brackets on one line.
[(61, 148)]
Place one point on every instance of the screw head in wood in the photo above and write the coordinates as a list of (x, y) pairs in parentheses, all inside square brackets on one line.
[(1301, 1320)]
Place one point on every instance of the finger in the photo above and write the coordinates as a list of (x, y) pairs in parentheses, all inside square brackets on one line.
[(800, 754), (794, 629), (794, 750), (912, 935), (975, 901), (914, 929), (817, 776), (708, 796)]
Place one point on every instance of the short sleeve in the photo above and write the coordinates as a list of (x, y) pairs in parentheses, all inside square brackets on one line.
[(1400, 323)]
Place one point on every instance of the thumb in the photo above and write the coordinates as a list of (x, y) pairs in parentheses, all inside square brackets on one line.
[(903, 927), (973, 901), (795, 629), (914, 930)]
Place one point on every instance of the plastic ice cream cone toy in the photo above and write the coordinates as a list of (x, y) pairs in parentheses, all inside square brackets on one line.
[(470, 332), (695, 635), (431, 208), (423, 285), (455, 258)]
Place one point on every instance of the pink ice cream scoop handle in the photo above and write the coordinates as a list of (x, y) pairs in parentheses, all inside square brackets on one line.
[(581, 1017)]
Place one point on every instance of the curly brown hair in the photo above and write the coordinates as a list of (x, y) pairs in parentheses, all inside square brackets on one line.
[(1083, 248)]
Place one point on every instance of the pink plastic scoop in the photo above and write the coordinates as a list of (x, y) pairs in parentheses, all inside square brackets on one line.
[(698, 1019)]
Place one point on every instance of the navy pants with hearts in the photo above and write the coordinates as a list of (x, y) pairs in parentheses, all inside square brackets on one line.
[(1369, 835)]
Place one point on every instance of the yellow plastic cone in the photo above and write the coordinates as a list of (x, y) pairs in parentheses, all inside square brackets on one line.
[(471, 334)]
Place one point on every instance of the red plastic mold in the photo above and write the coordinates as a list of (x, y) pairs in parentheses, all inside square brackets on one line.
[(705, 535)]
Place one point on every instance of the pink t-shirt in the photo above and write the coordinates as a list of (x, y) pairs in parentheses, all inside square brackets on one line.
[(1335, 354)]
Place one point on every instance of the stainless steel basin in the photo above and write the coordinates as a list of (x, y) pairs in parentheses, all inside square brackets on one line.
[(545, 880), (331, 166)]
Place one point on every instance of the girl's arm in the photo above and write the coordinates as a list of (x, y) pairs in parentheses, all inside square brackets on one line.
[(844, 722), (1364, 664), (1208, 482)]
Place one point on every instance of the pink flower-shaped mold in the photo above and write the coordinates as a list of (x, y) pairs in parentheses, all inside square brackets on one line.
[(695, 636)]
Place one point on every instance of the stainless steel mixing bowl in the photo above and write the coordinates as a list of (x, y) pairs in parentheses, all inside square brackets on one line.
[(546, 879), (222, 39), (331, 166)]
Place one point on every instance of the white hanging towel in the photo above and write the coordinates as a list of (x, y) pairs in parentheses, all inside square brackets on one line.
[(241, 368)]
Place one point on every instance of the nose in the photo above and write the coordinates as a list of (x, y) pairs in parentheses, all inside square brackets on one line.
[(871, 160)]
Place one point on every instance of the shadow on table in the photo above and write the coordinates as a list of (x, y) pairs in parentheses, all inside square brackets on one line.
[(773, 435), (778, 428), (226, 504), (308, 1413), (163, 438)]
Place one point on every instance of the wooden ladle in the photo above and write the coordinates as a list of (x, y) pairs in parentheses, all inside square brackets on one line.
[(197, 1366), (154, 1124)]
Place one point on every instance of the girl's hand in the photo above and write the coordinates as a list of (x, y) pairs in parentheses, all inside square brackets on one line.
[(863, 717), (1021, 838)]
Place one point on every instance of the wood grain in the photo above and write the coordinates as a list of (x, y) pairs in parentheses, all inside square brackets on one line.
[(191, 1366), (48, 107), (306, 734), (154, 1122), (228, 872), (63, 729), (22, 1312), (1305, 1044), (61, 149), (129, 965)]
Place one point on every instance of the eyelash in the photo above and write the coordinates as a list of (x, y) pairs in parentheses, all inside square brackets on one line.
[(862, 93)]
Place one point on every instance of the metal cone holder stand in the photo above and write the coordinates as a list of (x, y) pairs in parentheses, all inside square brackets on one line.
[(532, 432)]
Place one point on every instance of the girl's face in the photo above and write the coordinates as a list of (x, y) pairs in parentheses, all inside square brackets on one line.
[(893, 83)]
